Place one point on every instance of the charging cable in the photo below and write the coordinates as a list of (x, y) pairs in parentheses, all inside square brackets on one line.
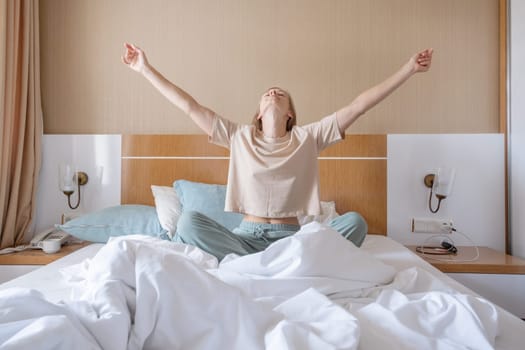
[(448, 247)]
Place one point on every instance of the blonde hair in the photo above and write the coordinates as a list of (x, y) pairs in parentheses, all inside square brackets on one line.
[(291, 121)]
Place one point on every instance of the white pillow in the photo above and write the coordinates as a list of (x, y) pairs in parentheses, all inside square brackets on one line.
[(168, 207), (328, 213)]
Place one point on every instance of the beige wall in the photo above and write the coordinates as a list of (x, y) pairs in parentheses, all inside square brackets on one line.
[(227, 52)]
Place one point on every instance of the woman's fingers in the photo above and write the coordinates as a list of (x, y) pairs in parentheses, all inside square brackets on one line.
[(426, 53), (130, 54), (423, 61), (127, 59), (133, 57), (424, 58)]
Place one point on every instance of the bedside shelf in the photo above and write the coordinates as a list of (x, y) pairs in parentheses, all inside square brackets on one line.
[(490, 261), (37, 256)]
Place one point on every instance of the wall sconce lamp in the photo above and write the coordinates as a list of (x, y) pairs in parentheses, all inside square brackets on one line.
[(69, 179), (440, 184)]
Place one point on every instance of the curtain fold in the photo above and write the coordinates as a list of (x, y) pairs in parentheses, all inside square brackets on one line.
[(21, 123)]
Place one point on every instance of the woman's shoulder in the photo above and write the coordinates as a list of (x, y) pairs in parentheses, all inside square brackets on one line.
[(326, 120)]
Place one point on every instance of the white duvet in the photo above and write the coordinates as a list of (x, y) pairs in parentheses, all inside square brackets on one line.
[(314, 290)]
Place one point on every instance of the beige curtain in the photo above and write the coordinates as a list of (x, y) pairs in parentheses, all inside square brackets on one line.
[(21, 118)]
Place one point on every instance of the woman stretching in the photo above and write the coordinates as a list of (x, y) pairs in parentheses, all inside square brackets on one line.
[(272, 176)]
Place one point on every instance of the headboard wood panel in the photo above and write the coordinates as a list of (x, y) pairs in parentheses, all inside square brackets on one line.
[(352, 173)]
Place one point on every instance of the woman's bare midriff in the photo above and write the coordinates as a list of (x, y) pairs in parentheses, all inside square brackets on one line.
[(289, 221)]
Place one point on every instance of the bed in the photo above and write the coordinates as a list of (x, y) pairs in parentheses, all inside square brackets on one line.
[(314, 290)]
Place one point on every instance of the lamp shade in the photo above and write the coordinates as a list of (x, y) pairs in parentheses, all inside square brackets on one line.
[(67, 178), (443, 181)]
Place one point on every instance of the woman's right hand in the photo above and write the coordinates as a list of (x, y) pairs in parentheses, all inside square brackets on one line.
[(134, 58)]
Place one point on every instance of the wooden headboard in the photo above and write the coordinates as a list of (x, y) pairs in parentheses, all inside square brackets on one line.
[(353, 173)]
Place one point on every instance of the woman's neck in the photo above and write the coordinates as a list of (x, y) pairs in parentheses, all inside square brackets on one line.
[(274, 125)]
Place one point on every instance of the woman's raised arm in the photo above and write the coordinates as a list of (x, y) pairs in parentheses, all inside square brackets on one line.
[(136, 59), (419, 62)]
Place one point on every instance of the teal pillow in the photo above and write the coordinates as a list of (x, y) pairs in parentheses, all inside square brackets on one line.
[(207, 199), (114, 221)]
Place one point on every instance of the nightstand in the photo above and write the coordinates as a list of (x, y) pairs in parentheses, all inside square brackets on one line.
[(490, 261), (496, 276), (19, 263)]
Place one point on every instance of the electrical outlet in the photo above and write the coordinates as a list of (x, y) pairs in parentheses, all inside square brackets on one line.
[(423, 225)]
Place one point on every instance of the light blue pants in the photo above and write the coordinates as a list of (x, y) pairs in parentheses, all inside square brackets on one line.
[(199, 230)]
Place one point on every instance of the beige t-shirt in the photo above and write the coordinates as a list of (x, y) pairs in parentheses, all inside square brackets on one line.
[(274, 178)]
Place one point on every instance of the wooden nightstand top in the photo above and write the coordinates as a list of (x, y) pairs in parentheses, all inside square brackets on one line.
[(37, 256), (490, 261)]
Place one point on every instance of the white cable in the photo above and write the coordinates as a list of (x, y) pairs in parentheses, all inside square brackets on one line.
[(15, 249), (429, 256)]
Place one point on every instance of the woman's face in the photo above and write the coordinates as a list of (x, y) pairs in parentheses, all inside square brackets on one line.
[(275, 98)]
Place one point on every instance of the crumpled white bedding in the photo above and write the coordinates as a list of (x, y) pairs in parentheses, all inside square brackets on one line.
[(314, 290)]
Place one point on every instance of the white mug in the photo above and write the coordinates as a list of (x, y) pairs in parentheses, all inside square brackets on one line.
[(50, 246)]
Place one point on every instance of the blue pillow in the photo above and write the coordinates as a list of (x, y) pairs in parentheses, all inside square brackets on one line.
[(119, 220), (207, 199)]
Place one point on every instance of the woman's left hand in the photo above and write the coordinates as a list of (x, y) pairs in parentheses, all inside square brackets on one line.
[(421, 61)]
